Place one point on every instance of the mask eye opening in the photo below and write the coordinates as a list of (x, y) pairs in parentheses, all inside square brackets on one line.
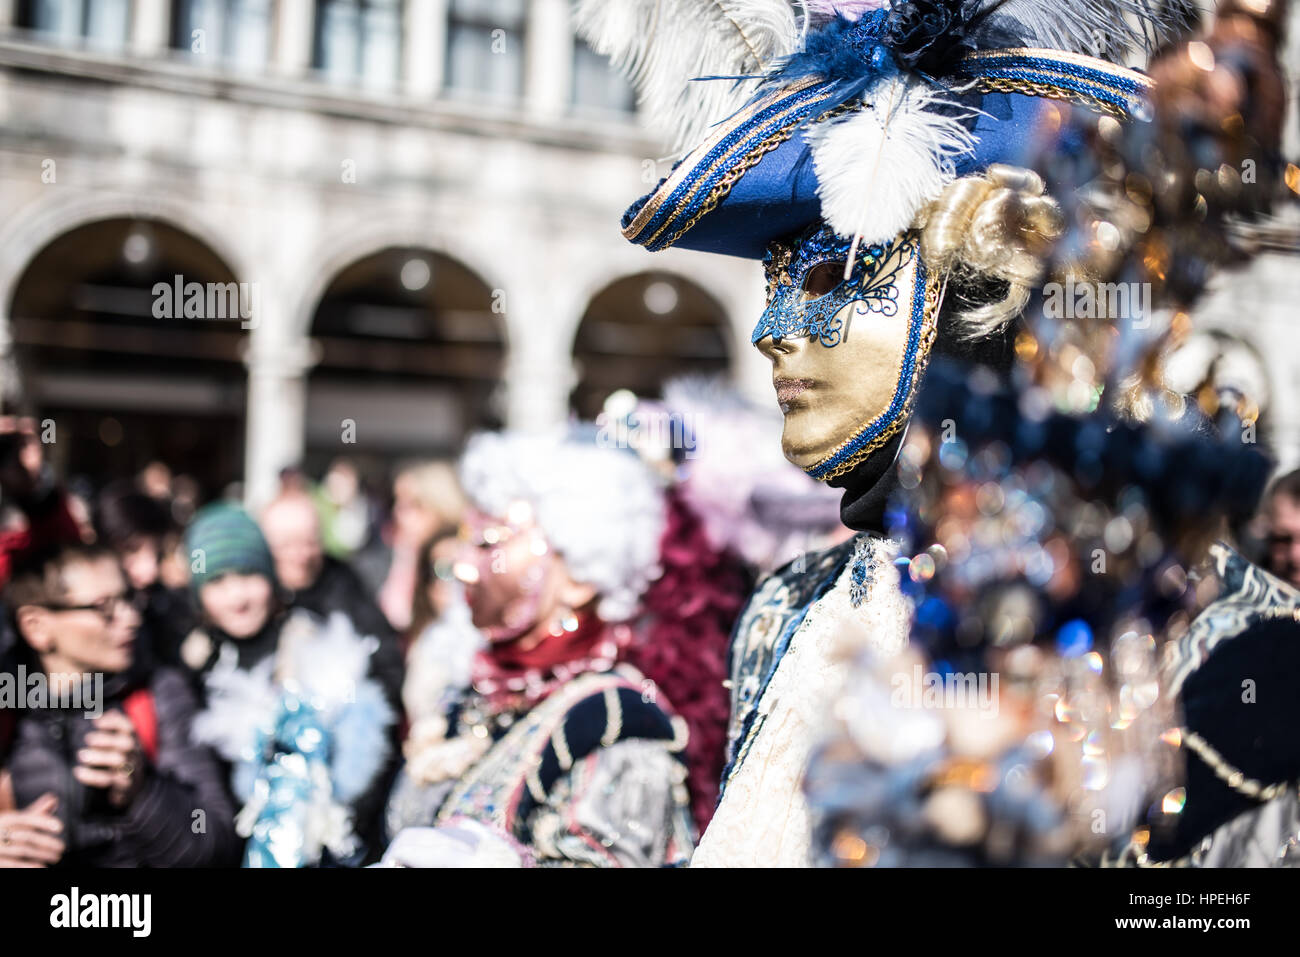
[(822, 279)]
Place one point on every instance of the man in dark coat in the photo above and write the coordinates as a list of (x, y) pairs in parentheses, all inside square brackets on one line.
[(322, 584), (244, 607)]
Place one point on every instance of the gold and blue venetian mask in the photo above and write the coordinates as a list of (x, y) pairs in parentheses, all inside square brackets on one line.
[(847, 353)]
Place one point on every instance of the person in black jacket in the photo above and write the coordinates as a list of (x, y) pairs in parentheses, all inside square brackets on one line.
[(98, 741), (244, 618), (322, 584), (137, 527)]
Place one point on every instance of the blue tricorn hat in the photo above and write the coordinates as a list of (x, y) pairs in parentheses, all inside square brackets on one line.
[(872, 116)]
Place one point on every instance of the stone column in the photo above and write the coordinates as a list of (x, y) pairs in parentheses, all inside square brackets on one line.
[(277, 409), (424, 48), (150, 27), (1267, 321), (542, 312), (1291, 66), (295, 23), (11, 383), (548, 58), (538, 390)]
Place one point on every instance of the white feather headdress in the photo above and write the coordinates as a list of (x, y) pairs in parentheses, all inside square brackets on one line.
[(1107, 29), (683, 55), (882, 126), (665, 45)]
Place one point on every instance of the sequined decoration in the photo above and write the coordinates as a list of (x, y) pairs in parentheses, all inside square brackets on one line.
[(794, 313), (292, 813), (1016, 553), (1055, 517), (862, 571)]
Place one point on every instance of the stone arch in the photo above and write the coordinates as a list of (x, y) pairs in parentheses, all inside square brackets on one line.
[(33, 227), (375, 234), (130, 382), (409, 350), (642, 328)]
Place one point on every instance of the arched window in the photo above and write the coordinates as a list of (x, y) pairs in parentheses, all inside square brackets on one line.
[(643, 330), (410, 360), (359, 42)]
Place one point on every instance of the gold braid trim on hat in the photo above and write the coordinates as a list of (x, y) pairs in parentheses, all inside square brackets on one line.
[(742, 166), (1051, 91)]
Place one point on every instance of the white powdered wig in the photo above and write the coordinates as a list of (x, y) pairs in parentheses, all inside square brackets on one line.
[(602, 509), (664, 45), (877, 166)]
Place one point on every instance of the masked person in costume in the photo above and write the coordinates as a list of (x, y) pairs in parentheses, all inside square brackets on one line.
[(871, 154), (558, 752), (736, 509)]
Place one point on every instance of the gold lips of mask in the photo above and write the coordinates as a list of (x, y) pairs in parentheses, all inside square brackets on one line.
[(846, 355)]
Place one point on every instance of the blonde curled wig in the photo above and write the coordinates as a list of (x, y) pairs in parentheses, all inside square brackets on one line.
[(994, 227)]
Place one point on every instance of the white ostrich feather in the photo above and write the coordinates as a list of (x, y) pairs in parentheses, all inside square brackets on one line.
[(877, 166), (325, 662), (1110, 29), (241, 703), (664, 45)]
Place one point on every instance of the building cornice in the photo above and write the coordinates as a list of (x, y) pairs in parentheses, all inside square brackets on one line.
[(476, 118)]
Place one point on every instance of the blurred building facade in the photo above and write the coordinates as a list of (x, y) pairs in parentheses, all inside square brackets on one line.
[(415, 204)]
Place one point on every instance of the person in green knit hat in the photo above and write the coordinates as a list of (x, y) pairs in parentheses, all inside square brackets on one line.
[(232, 575), (251, 648)]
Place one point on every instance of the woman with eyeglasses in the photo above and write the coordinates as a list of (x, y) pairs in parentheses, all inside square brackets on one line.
[(98, 766)]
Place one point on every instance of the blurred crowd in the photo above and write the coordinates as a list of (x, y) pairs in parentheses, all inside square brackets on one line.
[(140, 585), (218, 649)]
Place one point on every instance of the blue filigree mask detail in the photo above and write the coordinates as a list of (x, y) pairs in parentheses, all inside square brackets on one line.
[(807, 291)]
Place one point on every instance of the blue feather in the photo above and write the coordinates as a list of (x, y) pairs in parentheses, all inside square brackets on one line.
[(360, 741), (854, 56), (840, 49)]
